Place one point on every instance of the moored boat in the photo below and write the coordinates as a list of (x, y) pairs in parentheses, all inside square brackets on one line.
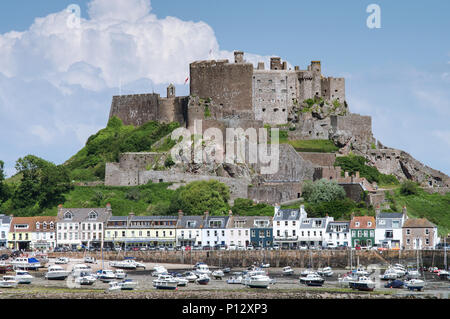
[(120, 273), (288, 271), (415, 284), (165, 282), (235, 280), (190, 276), (312, 280), (85, 279), (77, 269), (217, 274), (325, 272), (62, 260), (257, 281), (203, 279), (128, 284), (8, 282), (56, 272), (394, 284), (23, 277), (362, 283), (106, 275), (26, 263), (159, 270)]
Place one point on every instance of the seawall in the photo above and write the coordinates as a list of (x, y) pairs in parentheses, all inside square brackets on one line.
[(276, 258)]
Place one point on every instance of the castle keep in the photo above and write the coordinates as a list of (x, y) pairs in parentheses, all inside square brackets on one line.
[(236, 91), (303, 103)]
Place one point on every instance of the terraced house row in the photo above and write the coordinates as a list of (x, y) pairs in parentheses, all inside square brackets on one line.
[(77, 228)]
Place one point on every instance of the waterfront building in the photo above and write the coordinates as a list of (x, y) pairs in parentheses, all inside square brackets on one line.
[(214, 230), (189, 230), (337, 234), (312, 230), (27, 233), (261, 231), (419, 233), (141, 231), (81, 227), (388, 231), (5, 224), (286, 226), (362, 230)]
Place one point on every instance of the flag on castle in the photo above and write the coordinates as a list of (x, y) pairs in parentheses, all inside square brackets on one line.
[(186, 81)]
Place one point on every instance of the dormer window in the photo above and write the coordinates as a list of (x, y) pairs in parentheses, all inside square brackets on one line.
[(52, 225), (45, 225), (356, 224), (369, 224), (93, 215), (68, 216), (37, 225), (292, 214)]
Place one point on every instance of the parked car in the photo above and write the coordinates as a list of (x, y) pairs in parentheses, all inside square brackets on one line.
[(276, 246), (250, 247), (232, 247)]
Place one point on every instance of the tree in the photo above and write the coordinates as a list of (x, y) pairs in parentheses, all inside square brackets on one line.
[(323, 191), (42, 184), (197, 197), (4, 189), (409, 188)]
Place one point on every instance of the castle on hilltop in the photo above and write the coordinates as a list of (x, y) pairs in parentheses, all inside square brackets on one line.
[(304, 104), (234, 91)]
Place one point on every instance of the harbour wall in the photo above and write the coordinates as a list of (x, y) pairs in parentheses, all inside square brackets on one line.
[(276, 258)]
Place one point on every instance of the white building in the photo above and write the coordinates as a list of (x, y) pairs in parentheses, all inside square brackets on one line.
[(214, 230), (312, 230), (5, 223), (388, 231), (189, 230), (286, 226), (337, 234), (238, 232), (81, 226)]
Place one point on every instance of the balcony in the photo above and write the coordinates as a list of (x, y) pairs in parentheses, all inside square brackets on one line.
[(285, 238)]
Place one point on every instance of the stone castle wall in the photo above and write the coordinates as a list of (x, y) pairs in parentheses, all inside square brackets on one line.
[(319, 159), (275, 193)]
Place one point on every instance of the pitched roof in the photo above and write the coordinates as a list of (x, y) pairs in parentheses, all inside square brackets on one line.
[(5, 219), (389, 215), (249, 221), (82, 214), (31, 222), (344, 224), (183, 221), (287, 214), (363, 222), (418, 223)]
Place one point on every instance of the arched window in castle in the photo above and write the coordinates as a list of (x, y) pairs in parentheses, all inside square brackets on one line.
[(68, 216)]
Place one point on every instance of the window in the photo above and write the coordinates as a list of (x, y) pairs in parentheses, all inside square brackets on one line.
[(356, 224), (93, 215), (408, 231), (427, 231), (37, 225), (369, 224), (68, 216)]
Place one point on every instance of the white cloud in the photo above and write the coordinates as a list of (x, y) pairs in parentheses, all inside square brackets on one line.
[(443, 135)]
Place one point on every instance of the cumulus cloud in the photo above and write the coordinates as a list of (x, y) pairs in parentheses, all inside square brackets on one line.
[(57, 77)]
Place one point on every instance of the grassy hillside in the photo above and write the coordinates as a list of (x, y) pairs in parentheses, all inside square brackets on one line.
[(106, 145), (434, 207)]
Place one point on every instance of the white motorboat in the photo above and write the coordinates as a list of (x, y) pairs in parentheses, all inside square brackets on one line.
[(127, 264), (182, 282), (106, 275), (362, 283), (85, 279), (257, 281), (90, 260), (62, 261), (325, 272), (226, 270), (77, 269), (190, 276), (265, 265), (202, 269), (288, 271), (413, 274), (159, 270), (443, 274), (26, 263), (203, 279), (306, 272), (23, 277), (312, 280), (346, 279), (56, 272), (165, 282), (128, 284), (400, 270), (8, 282), (218, 274), (235, 280), (361, 272), (389, 274), (415, 284), (120, 273), (114, 286)]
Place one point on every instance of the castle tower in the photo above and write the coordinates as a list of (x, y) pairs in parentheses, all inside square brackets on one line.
[(170, 90), (238, 57), (316, 69), (275, 63)]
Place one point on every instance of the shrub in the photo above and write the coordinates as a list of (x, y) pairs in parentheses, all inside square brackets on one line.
[(409, 188)]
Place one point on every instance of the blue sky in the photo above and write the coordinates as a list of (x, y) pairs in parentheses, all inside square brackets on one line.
[(56, 84)]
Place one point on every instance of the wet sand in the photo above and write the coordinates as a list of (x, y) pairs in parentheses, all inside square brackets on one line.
[(285, 287)]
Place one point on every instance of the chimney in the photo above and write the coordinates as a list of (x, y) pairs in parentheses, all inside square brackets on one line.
[(230, 213), (238, 57), (108, 206), (180, 213), (357, 174), (345, 174), (378, 209), (277, 208), (296, 68), (260, 66), (405, 212), (206, 214), (131, 214)]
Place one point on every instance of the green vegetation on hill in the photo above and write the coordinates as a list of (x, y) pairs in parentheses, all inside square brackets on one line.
[(434, 207), (354, 163), (106, 145)]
